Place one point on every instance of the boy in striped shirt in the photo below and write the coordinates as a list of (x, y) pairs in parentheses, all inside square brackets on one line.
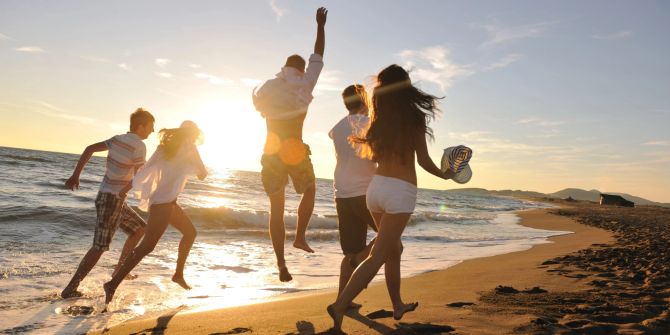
[(126, 153)]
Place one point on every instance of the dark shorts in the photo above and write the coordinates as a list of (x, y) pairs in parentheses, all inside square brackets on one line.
[(294, 163), (113, 213), (353, 219)]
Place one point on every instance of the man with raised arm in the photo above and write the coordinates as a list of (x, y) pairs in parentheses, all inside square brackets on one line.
[(283, 102)]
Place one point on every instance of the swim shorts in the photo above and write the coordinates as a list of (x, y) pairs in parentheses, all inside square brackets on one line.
[(294, 163), (113, 212), (353, 219)]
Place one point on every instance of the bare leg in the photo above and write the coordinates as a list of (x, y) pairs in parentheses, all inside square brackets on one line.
[(159, 218), (278, 233), (87, 263), (305, 209), (131, 243), (185, 226), (392, 276), (347, 268), (390, 230)]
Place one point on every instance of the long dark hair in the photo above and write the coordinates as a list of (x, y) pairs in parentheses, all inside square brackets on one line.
[(400, 111)]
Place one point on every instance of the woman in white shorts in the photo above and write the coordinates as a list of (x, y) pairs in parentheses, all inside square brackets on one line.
[(158, 184), (397, 134)]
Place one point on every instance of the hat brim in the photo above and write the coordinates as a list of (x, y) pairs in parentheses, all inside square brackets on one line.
[(464, 176)]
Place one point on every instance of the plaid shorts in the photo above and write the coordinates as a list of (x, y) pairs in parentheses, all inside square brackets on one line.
[(113, 212)]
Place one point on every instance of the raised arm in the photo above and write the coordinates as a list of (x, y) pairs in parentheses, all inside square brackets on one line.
[(320, 44), (425, 161), (73, 182)]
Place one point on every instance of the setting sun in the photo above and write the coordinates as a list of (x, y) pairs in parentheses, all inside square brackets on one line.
[(233, 133)]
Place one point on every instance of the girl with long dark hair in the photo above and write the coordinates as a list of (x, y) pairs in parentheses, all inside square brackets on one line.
[(397, 134)]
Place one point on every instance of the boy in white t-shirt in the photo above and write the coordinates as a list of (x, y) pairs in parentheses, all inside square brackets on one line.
[(126, 153), (352, 176)]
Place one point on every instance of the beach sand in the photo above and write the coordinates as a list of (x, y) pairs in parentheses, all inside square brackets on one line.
[(463, 283)]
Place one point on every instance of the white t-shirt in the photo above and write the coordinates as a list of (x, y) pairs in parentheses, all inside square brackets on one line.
[(289, 94), (352, 173), (161, 180)]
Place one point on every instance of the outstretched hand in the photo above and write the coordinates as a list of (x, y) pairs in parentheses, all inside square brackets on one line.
[(321, 15), (72, 183)]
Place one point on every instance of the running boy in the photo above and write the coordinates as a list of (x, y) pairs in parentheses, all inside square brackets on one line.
[(126, 153)]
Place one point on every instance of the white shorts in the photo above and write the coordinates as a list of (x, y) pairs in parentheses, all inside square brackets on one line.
[(390, 195)]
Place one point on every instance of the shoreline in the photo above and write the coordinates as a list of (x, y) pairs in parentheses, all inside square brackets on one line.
[(304, 312)]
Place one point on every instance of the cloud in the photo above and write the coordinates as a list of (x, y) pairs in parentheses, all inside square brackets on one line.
[(194, 66), (613, 36), (167, 75), (536, 121), (279, 12), (657, 143), (30, 49), (329, 81), (501, 34), (504, 62), (212, 79), (250, 82), (161, 62), (4, 37), (93, 59), (124, 66), (53, 111), (432, 64)]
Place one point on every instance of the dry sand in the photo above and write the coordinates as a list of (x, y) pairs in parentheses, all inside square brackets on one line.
[(465, 282)]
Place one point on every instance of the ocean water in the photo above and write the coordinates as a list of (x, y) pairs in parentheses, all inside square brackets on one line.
[(45, 230)]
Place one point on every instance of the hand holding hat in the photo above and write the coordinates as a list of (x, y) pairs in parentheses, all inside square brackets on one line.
[(456, 159)]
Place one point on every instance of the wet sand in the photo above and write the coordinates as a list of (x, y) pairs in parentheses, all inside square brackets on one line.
[(474, 297)]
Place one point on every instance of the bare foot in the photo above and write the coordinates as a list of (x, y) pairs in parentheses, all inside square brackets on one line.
[(284, 275), (70, 294), (354, 305), (337, 317), (109, 293), (404, 308), (302, 245), (181, 282)]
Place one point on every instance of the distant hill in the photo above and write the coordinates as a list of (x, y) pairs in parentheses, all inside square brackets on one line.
[(509, 193), (574, 193), (594, 195)]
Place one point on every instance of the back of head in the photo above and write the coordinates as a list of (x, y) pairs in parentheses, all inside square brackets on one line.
[(139, 118), (296, 62), (354, 97), (400, 112), (171, 140)]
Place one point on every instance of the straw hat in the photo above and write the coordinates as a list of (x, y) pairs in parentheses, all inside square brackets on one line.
[(456, 159)]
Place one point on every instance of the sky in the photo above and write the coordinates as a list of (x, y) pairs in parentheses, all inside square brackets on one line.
[(549, 95)]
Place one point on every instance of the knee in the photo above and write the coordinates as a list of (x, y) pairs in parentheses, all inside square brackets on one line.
[(145, 248), (191, 233), (378, 255), (138, 233)]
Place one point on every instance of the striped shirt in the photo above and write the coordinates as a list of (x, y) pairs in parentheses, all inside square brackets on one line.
[(125, 153)]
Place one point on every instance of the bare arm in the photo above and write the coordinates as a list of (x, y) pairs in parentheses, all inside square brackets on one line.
[(320, 44), (73, 182), (202, 170), (426, 162)]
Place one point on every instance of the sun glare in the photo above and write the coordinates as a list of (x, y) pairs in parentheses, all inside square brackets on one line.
[(234, 134)]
